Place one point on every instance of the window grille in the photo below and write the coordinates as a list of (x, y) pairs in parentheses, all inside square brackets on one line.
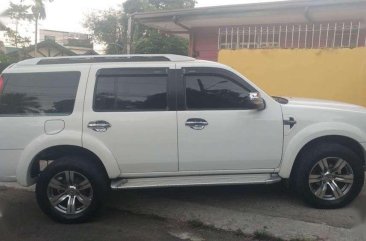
[(303, 36)]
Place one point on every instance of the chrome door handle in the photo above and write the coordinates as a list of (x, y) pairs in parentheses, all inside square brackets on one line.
[(99, 126), (196, 123)]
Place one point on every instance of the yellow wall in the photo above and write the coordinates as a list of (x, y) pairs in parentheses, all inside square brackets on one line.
[(335, 74)]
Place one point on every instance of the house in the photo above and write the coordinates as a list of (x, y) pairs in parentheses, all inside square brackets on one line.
[(46, 48), (78, 43), (306, 48)]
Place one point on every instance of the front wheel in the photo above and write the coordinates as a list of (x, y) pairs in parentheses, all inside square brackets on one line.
[(329, 176), (71, 189)]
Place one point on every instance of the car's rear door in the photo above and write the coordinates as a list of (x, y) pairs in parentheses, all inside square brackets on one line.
[(130, 109)]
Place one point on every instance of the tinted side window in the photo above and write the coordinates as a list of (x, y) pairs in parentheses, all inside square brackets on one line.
[(214, 92), (39, 93), (131, 93)]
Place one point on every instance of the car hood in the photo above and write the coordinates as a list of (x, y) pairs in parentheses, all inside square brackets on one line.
[(328, 104)]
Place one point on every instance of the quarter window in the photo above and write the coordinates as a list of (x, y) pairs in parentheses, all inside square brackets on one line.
[(131, 93), (38, 93), (215, 92)]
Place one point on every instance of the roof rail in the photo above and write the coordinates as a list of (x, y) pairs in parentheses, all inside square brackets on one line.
[(105, 59)]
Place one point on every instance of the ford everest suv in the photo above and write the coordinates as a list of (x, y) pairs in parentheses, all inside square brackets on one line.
[(79, 126)]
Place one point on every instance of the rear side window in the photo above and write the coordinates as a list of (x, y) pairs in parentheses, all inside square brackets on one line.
[(38, 93), (117, 93)]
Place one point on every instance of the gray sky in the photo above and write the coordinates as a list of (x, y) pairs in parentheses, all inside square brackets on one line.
[(68, 15)]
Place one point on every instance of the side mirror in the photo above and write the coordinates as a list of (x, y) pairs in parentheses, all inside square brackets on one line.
[(257, 101)]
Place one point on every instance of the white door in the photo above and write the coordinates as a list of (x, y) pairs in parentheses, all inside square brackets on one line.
[(217, 130), (128, 110)]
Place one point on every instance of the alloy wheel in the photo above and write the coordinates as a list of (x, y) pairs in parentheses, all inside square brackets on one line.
[(70, 192), (331, 178)]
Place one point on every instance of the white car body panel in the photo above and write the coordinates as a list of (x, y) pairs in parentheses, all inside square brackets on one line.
[(32, 137), (140, 141), (317, 118), (233, 139)]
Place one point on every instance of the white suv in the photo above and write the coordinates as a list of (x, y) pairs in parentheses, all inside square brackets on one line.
[(78, 126)]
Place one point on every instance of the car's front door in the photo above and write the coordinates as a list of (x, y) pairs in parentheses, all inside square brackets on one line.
[(217, 130), (127, 109)]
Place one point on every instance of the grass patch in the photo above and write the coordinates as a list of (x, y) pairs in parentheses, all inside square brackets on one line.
[(265, 236), (145, 215), (199, 224), (302, 239)]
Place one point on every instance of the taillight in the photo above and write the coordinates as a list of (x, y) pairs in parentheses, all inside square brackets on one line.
[(1, 84)]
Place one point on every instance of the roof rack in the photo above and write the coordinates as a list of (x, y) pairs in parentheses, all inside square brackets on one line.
[(105, 59)]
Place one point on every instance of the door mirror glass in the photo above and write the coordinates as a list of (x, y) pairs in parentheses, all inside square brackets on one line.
[(257, 101)]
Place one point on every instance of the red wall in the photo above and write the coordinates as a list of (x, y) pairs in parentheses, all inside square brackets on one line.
[(205, 43)]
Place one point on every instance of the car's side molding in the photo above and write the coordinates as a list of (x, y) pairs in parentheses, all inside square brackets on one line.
[(294, 145), (69, 138)]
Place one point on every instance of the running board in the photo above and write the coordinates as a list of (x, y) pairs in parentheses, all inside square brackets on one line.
[(177, 181)]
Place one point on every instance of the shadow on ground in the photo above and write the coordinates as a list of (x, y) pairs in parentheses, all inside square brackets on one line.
[(270, 200), (22, 220)]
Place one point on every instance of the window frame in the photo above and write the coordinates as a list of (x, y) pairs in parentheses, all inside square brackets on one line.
[(207, 71), (5, 81), (133, 72)]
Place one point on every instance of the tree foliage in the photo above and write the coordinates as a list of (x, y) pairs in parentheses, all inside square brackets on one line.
[(39, 9), (110, 28), (135, 6), (17, 13), (158, 43)]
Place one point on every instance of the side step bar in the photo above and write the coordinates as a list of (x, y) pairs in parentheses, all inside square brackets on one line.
[(177, 181)]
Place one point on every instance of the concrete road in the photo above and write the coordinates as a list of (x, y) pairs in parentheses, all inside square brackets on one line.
[(269, 209), (21, 220), (250, 209)]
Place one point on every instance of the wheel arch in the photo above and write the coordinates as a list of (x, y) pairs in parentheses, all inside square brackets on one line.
[(28, 174), (347, 141), (343, 140)]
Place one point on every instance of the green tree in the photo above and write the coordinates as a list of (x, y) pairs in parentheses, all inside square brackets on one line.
[(160, 43), (110, 28), (135, 6), (17, 13), (39, 13), (2, 26)]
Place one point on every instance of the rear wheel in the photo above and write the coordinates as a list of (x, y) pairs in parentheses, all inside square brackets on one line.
[(329, 175), (71, 189)]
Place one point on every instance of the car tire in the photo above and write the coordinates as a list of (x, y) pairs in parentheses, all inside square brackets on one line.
[(72, 189), (328, 175)]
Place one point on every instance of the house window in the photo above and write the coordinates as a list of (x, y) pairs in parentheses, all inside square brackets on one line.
[(304, 36)]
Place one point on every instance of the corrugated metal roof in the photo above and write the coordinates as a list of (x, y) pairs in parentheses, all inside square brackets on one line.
[(290, 11)]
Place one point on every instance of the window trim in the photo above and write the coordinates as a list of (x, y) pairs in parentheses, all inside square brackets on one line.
[(42, 114), (133, 72), (205, 71)]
